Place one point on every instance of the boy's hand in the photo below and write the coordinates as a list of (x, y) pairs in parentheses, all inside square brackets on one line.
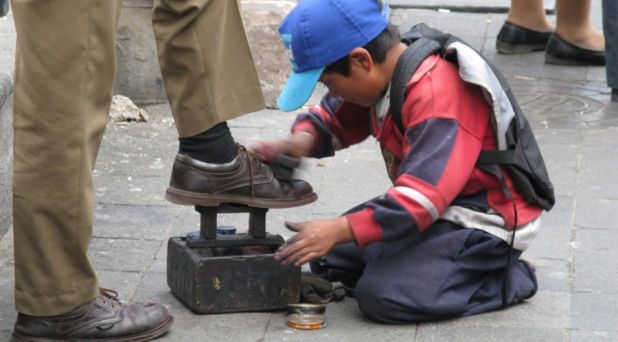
[(314, 240), (297, 145)]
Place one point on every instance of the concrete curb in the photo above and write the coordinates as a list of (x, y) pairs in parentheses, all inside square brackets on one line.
[(6, 152)]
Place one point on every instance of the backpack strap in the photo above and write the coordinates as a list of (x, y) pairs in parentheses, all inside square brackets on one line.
[(496, 157), (407, 64)]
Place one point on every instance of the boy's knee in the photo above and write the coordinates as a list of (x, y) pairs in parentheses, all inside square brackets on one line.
[(373, 303)]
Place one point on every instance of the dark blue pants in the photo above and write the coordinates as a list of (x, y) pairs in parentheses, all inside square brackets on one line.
[(610, 30), (448, 271)]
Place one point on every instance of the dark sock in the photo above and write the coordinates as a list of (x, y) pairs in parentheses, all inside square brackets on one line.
[(215, 145)]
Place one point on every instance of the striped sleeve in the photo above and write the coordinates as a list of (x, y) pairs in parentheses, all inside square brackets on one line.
[(335, 124)]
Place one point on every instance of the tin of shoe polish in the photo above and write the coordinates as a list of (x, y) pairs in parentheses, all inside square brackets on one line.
[(306, 321)]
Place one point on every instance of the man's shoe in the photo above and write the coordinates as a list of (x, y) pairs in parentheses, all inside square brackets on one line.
[(513, 39), (103, 319), (562, 52), (614, 94), (245, 180)]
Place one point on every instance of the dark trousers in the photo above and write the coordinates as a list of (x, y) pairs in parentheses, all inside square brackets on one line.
[(448, 271)]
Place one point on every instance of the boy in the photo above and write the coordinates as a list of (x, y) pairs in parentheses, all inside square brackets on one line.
[(434, 245)]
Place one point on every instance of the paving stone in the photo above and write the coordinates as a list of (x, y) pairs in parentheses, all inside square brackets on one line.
[(594, 312), (562, 167), (344, 322), (560, 217), (7, 285), (547, 309), (130, 190), (470, 26), (6, 151), (552, 275), (135, 222), (594, 180), (122, 254), (548, 137), (596, 213), (131, 151), (125, 283), (595, 261), (593, 336), (7, 47), (490, 334)]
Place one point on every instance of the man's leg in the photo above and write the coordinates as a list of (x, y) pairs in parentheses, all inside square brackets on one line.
[(206, 63), (63, 86), (210, 77), (63, 81)]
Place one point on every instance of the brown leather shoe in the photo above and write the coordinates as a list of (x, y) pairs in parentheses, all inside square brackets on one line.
[(103, 319), (245, 180)]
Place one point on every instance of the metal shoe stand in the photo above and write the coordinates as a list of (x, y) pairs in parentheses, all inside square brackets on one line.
[(213, 273)]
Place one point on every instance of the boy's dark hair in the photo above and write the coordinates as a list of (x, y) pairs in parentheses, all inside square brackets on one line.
[(377, 48)]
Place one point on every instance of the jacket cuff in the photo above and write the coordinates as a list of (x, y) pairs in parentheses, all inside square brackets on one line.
[(307, 126), (365, 229)]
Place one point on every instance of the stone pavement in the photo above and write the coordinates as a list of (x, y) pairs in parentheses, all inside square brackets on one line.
[(574, 254)]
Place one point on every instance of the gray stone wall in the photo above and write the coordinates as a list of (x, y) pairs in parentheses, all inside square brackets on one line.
[(6, 152), (138, 75)]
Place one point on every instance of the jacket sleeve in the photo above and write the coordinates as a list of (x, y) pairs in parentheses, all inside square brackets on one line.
[(335, 124), (445, 122)]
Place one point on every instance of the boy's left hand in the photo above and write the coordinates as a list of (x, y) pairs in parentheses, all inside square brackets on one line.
[(314, 240)]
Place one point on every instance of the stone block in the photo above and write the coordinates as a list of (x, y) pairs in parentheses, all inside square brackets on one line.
[(262, 19), (6, 152), (138, 75)]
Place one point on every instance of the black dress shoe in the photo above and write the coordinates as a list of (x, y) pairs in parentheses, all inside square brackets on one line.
[(615, 95), (513, 39), (103, 319), (245, 180), (561, 52)]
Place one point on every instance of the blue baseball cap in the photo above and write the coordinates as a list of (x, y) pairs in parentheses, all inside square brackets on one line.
[(320, 32)]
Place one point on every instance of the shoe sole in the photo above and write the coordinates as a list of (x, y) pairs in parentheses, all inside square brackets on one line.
[(513, 49), (145, 336), (549, 59), (191, 198)]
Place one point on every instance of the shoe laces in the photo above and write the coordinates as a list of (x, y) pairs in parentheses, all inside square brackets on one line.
[(109, 295), (250, 156)]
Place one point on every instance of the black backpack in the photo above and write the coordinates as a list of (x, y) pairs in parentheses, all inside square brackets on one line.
[(519, 155)]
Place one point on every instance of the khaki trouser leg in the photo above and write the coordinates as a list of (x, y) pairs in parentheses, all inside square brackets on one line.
[(63, 86), (206, 63)]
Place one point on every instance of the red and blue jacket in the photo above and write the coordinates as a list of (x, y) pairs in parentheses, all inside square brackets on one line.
[(431, 164)]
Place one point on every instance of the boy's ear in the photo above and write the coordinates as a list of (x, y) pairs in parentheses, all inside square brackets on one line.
[(361, 58)]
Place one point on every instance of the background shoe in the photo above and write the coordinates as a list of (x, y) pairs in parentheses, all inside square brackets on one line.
[(615, 95), (513, 39), (103, 319), (246, 180), (561, 52)]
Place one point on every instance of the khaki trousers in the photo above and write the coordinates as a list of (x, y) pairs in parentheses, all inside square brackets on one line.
[(64, 74)]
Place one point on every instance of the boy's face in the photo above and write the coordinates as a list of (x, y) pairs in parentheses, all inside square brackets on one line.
[(361, 86)]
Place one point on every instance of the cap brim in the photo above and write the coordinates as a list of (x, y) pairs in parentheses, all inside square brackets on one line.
[(298, 89)]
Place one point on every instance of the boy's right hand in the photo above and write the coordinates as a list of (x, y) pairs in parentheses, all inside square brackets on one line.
[(297, 145)]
